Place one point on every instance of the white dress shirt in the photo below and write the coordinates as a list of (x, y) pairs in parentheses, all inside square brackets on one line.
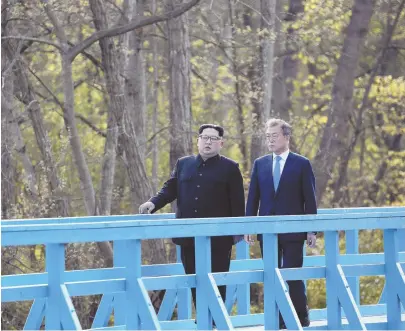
[(282, 161)]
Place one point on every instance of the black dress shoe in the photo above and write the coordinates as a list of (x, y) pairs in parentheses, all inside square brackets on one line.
[(304, 317), (213, 324), (304, 320)]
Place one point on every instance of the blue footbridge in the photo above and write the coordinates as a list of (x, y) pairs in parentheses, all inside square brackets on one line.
[(124, 287)]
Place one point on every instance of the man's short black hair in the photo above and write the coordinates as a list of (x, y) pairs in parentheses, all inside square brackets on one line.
[(220, 129)]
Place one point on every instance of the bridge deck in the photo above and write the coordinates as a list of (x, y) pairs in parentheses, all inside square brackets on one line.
[(371, 322)]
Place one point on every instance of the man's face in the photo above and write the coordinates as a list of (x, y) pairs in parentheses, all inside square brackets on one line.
[(276, 141), (209, 143)]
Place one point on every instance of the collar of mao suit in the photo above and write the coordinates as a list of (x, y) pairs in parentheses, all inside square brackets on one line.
[(200, 160)]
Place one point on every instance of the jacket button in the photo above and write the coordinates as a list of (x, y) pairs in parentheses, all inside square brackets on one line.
[(195, 210), (200, 174), (196, 198), (198, 186)]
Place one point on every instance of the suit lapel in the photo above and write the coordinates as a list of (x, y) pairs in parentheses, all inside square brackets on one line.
[(288, 166), (269, 170)]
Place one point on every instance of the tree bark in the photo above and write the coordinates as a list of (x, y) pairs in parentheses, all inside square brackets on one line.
[(26, 95), (109, 60), (263, 77), (180, 90), (135, 95), (289, 65), (332, 143), (69, 114), (8, 169), (238, 93), (155, 106)]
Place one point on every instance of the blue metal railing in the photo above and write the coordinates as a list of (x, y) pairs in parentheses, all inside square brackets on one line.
[(125, 286)]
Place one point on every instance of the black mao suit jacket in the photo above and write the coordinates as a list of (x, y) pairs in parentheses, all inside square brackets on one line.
[(204, 189)]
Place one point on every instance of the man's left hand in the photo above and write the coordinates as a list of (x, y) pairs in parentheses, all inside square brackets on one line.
[(311, 239)]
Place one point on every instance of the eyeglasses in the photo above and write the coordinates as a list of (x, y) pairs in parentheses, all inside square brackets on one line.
[(214, 139), (273, 136)]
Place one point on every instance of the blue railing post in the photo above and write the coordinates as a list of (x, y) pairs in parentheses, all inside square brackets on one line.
[(270, 263), (133, 257), (242, 290), (334, 314), (202, 268), (55, 266), (401, 243), (391, 259), (183, 295), (352, 247), (119, 298)]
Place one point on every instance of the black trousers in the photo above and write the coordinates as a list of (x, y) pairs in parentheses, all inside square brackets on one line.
[(291, 255), (220, 261)]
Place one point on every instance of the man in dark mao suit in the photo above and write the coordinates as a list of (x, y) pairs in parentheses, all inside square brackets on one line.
[(283, 183), (206, 185)]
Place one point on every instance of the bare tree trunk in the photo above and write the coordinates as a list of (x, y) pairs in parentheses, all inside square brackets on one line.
[(70, 124), (7, 160), (7, 172), (155, 95), (69, 115), (139, 183), (268, 23), (263, 77), (25, 94), (73, 134), (342, 93), (109, 59), (21, 149), (239, 102), (15, 140), (117, 105), (120, 181), (135, 95), (289, 65), (180, 90)]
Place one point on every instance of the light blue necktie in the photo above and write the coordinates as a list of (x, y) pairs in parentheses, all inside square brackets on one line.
[(276, 173)]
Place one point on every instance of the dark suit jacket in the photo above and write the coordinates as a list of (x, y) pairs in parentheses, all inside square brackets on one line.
[(213, 188), (295, 193)]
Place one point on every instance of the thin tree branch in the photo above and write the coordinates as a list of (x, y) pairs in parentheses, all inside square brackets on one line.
[(43, 41), (156, 133), (60, 33), (115, 31), (54, 97), (91, 125), (56, 100)]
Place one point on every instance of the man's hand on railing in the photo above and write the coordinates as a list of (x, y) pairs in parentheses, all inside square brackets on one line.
[(249, 239), (146, 208), (311, 239)]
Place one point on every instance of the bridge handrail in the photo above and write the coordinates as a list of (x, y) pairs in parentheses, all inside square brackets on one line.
[(101, 231), (103, 218)]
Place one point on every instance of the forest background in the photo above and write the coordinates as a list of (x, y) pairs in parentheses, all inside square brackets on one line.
[(100, 97)]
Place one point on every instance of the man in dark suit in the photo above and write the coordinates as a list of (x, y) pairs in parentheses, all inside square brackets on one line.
[(206, 185), (283, 183)]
